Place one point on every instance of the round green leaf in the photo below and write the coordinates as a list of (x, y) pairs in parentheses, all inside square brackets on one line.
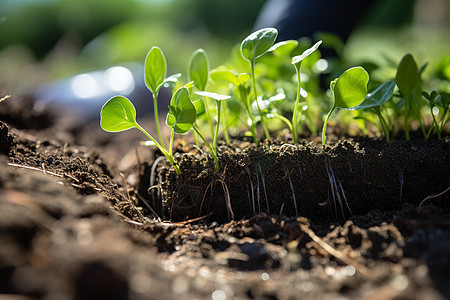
[(198, 69), (182, 113), (351, 88), (243, 78), (379, 96), (155, 69), (118, 114), (407, 75), (258, 43)]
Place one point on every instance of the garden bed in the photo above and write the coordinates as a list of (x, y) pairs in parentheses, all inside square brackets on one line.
[(370, 219)]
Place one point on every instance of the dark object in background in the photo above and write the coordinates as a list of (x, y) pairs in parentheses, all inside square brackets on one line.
[(304, 18), (300, 18)]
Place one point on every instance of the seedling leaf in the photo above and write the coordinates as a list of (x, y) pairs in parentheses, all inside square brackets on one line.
[(118, 114), (244, 78), (283, 48), (198, 69), (182, 114), (224, 75), (407, 75), (379, 96), (199, 107), (351, 88), (214, 96), (172, 78), (297, 59), (258, 43), (155, 69)]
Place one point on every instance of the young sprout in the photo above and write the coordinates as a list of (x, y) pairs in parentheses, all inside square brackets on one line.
[(297, 62), (219, 98), (118, 114), (438, 101), (181, 115), (349, 90), (252, 47), (155, 77), (198, 73), (408, 82), (375, 99), (242, 93)]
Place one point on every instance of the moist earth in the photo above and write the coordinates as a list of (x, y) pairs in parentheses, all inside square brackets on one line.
[(88, 215)]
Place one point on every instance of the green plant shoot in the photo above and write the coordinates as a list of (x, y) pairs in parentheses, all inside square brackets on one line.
[(407, 78), (349, 90), (198, 73), (373, 102), (219, 98), (297, 62), (242, 92), (252, 47), (118, 114), (440, 102), (155, 77)]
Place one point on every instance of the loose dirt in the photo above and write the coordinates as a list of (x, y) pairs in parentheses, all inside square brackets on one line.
[(82, 216)]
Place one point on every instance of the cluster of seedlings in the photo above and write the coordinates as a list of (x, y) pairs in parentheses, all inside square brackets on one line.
[(263, 81), (191, 108)]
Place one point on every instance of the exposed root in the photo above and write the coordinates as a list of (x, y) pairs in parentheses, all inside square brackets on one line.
[(292, 189), (152, 184), (4, 98), (264, 187), (211, 185), (340, 256), (338, 195), (433, 196)]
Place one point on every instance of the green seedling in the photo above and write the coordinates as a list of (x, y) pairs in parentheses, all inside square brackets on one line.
[(218, 98), (118, 114), (198, 73), (242, 92), (252, 47), (439, 102), (297, 62), (374, 101), (349, 90), (155, 77), (408, 81)]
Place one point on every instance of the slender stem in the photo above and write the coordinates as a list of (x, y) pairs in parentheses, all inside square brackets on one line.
[(213, 153), (208, 116), (172, 133), (434, 124), (219, 106), (383, 123), (225, 125), (405, 122), (444, 121), (196, 140), (389, 123), (155, 109), (162, 149), (244, 96), (297, 101), (263, 121), (285, 120), (325, 124)]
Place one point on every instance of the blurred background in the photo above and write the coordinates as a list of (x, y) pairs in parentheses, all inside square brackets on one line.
[(57, 49)]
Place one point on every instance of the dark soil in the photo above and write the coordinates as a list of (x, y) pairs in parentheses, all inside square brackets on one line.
[(359, 219)]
